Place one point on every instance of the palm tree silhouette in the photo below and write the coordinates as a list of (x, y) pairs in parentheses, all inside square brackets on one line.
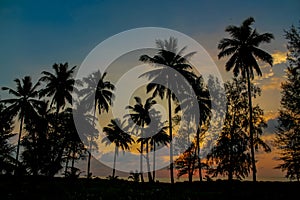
[(140, 115), (115, 134), (167, 57), (59, 85), (243, 49), (24, 104), (159, 137), (98, 93)]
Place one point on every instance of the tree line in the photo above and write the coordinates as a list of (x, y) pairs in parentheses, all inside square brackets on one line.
[(48, 140)]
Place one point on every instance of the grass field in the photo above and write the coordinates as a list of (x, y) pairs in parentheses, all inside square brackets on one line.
[(43, 188)]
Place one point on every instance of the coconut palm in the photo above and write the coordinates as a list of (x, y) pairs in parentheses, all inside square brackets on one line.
[(115, 134), (59, 85), (243, 49), (140, 115), (97, 93), (24, 103), (159, 137), (167, 57)]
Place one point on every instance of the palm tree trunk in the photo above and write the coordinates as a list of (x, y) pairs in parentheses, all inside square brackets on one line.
[(19, 141), (73, 156), (251, 127), (90, 147), (153, 173), (114, 166), (89, 165), (148, 163), (141, 162), (89, 160), (190, 166), (171, 137), (198, 152)]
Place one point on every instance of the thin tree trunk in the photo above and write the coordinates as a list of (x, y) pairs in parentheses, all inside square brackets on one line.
[(153, 173), (114, 165), (90, 148), (73, 156), (19, 141), (148, 163), (89, 165), (198, 152), (141, 161), (190, 165), (251, 128), (171, 137)]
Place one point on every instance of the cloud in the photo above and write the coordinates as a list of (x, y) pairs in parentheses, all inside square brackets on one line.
[(273, 83), (279, 57)]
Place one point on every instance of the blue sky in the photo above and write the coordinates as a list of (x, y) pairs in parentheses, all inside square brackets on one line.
[(36, 34)]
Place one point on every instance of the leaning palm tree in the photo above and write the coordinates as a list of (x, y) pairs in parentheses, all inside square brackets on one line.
[(24, 104), (243, 47), (115, 134), (59, 85), (140, 115), (97, 93), (167, 57)]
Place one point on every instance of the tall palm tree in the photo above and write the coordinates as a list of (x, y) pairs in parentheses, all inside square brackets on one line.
[(167, 57), (140, 115), (59, 85), (115, 134), (243, 47), (97, 93), (24, 103)]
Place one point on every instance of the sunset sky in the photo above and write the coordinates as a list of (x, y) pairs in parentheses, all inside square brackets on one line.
[(36, 34)]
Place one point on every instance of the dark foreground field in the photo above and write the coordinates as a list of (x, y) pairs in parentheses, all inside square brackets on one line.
[(60, 188)]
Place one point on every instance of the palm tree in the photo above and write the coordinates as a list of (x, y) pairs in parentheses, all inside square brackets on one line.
[(115, 134), (59, 85), (243, 49), (140, 115), (159, 138), (24, 104), (167, 57), (98, 93)]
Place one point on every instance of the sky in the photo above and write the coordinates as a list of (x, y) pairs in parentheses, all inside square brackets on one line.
[(36, 34)]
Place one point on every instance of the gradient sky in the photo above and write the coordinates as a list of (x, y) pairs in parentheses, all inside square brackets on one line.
[(36, 34)]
